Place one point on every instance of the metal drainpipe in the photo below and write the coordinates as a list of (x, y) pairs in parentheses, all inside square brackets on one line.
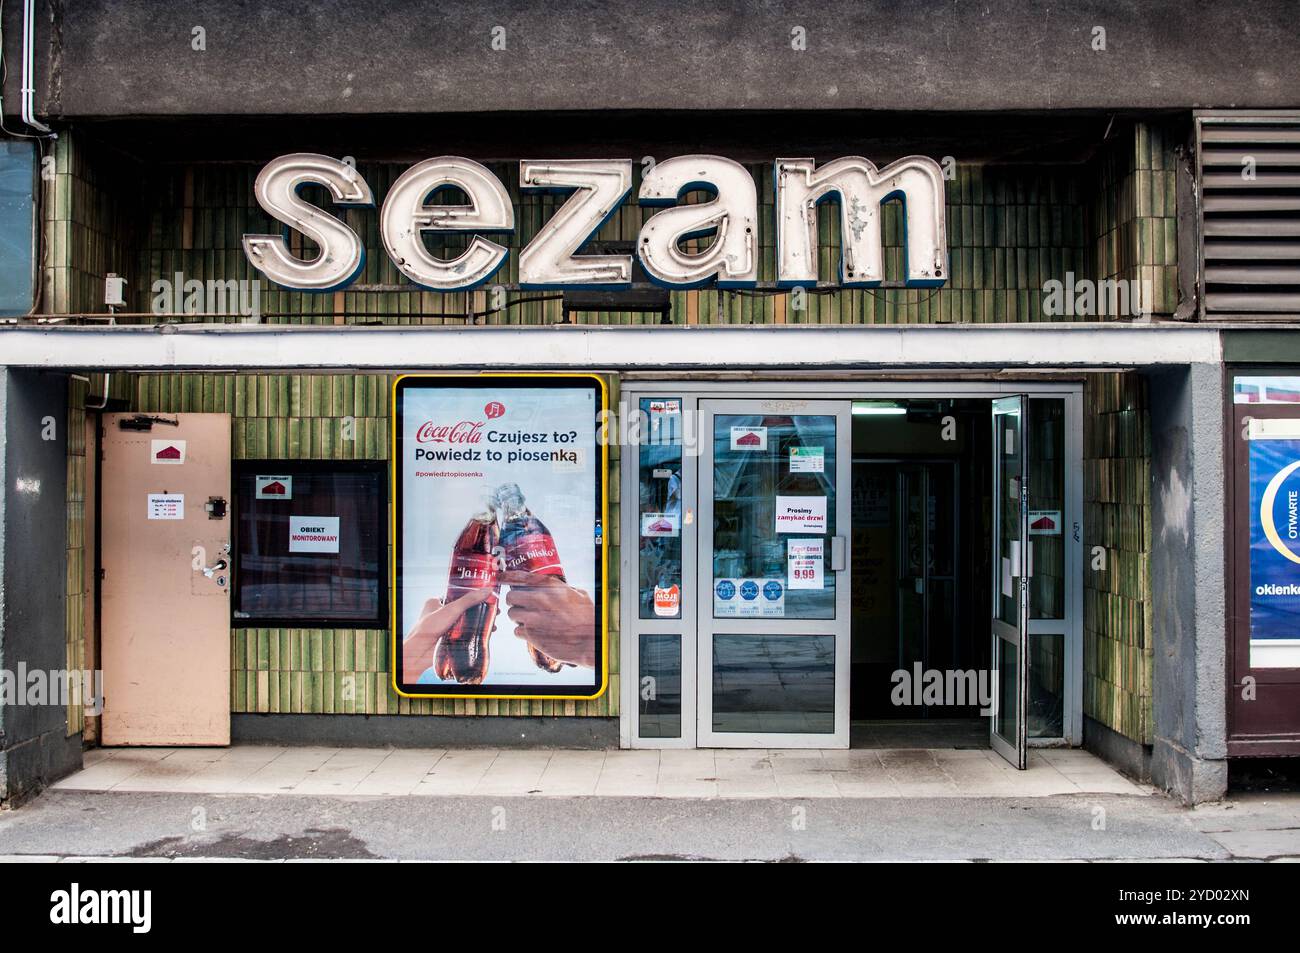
[(29, 69)]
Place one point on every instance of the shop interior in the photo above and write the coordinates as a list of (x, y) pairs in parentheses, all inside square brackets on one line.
[(922, 518)]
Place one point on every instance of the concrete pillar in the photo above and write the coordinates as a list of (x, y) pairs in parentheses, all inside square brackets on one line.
[(35, 748), (1188, 582)]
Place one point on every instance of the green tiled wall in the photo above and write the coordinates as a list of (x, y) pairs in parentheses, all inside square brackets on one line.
[(1117, 655), (335, 671), (1134, 213), (90, 226)]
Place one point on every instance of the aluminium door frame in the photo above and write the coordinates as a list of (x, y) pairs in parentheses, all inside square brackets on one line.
[(839, 626), (631, 390)]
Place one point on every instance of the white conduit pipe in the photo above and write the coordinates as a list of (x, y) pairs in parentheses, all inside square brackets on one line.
[(29, 68)]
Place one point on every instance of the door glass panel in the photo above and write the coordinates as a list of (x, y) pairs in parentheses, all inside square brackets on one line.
[(773, 516), (774, 683), (659, 509), (1011, 565), (659, 691), (1008, 691), (1046, 686), (1010, 476), (911, 559), (942, 546), (1047, 507)]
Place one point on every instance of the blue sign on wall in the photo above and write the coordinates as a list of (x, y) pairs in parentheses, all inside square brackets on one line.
[(1274, 539)]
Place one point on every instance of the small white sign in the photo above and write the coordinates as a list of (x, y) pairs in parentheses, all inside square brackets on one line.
[(805, 564), (167, 451), (801, 514), (748, 438), (166, 506), (313, 534), (1044, 522), (660, 524), (272, 487), (807, 460)]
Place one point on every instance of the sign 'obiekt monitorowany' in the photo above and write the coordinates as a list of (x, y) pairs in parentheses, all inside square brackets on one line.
[(596, 188)]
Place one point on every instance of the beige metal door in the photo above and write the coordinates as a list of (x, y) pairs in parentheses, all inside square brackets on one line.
[(165, 552)]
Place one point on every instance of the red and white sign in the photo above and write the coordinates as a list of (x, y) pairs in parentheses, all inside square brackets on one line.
[(167, 451), (166, 506), (463, 431), (806, 565), (660, 524), (273, 487), (667, 600), (801, 514), (1044, 522), (313, 534), (748, 438)]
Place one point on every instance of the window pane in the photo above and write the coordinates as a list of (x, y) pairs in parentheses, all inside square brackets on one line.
[(310, 543), (1011, 470), (1047, 507), (659, 508), (1266, 390), (1005, 723), (16, 176), (776, 683), (773, 515), (1046, 686), (660, 688)]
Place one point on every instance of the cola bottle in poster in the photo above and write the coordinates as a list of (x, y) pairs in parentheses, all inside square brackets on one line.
[(528, 547), (462, 652)]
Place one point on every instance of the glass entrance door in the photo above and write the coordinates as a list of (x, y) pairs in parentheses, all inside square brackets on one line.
[(773, 617), (1012, 567)]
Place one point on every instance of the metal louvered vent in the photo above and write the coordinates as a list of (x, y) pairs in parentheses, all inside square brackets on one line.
[(1250, 216)]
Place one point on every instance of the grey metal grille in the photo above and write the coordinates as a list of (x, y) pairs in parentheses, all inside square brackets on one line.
[(1250, 216)]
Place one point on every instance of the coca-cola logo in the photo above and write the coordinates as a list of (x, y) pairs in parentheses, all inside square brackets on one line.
[(465, 431), (494, 409)]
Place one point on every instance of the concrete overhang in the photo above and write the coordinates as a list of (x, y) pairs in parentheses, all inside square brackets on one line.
[(114, 58), (216, 347)]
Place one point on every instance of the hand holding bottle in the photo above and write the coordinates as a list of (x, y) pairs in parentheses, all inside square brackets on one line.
[(552, 615), (436, 618)]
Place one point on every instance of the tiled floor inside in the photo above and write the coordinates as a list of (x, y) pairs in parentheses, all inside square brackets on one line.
[(730, 773)]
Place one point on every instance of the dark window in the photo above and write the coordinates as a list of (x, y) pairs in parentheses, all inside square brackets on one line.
[(17, 175), (311, 543)]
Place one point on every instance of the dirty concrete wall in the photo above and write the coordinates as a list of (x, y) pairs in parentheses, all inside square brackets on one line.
[(1188, 575), (35, 747), (142, 57)]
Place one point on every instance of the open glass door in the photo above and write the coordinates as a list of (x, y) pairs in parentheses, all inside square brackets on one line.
[(773, 617), (1012, 566)]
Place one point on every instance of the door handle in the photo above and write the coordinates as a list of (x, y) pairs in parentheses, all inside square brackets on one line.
[(839, 552), (221, 565)]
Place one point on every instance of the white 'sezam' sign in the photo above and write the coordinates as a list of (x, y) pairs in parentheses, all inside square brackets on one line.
[(596, 188)]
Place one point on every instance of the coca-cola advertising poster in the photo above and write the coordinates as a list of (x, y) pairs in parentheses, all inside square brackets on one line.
[(499, 489)]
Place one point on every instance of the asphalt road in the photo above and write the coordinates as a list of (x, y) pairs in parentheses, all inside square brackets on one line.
[(284, 827)]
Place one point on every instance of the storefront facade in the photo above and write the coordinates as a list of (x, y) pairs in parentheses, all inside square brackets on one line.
[(1020, 469)]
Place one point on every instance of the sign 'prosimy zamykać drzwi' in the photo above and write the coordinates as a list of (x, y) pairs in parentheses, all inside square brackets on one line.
[(596, 188)]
